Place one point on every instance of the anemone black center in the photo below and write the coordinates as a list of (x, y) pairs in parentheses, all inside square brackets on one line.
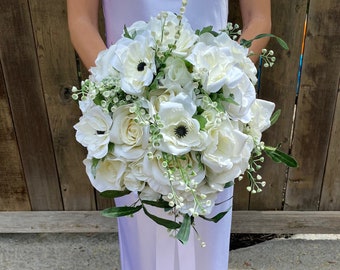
[(141, 66), (181, 131)]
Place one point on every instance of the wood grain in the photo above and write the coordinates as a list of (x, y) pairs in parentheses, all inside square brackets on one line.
[(13, 191), (58, 70), (316, 106), (22, 77), (330, 196), (278, 222), (278, 84)]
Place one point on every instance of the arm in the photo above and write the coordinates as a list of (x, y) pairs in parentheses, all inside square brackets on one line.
[(256, 17), (83, 27)]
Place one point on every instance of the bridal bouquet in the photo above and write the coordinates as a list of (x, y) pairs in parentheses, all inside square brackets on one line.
[(172, 115)]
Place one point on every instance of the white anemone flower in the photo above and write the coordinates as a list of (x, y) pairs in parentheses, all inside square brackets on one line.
[(93, 131), (181, 132), (104, 65), (135, 61)]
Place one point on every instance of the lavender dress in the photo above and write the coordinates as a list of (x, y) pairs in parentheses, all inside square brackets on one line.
[(143, 244)]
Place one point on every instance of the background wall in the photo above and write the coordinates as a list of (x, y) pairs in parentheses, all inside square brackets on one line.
[(41, 163)]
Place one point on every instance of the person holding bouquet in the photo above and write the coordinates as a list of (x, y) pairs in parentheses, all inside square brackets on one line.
[(144, 245)]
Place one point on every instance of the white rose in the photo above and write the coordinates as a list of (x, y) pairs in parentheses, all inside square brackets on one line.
[(238, 54), (134, 178), (261, 112), (135, 60), (174, 93), (181, 133), (243, 91), (157, 173), (229, 149), (149, 194), (157, 179), (92, 131), (217, 181), (128, 136), (176, 72), (210, 65), (108, 174)]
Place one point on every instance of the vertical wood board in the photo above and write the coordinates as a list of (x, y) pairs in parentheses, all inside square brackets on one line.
[(58, 74), (13, 191), (278, 84), (330, 196), (21, 73), (316, 105)]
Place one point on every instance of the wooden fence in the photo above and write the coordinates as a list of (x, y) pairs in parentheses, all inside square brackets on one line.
[(41, 163)]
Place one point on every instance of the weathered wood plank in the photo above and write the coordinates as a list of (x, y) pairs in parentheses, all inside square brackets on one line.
[(286, 222), (316, 105), (280, 222), (21, 73), (278, 84), (56, 222), (330, 197), (58, 73), (13, 191)]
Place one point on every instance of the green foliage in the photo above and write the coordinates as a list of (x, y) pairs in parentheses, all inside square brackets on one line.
[(207, 29), (169, 224), (280, 157), (184, 231), (275, 116), (111, 194), (122, 211), (218, 217), (247, 43)]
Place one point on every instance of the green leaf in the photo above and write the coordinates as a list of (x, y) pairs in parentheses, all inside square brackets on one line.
[(159, 204), (114, 193), (127, 34), (207, 29), (229, 100), (201, 120), (218, 217), (161, 221), (121, 211), (247, 43), (275, 117), (229, 184), (98, 99), (184, 231), (110, 147), (280, 157)]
